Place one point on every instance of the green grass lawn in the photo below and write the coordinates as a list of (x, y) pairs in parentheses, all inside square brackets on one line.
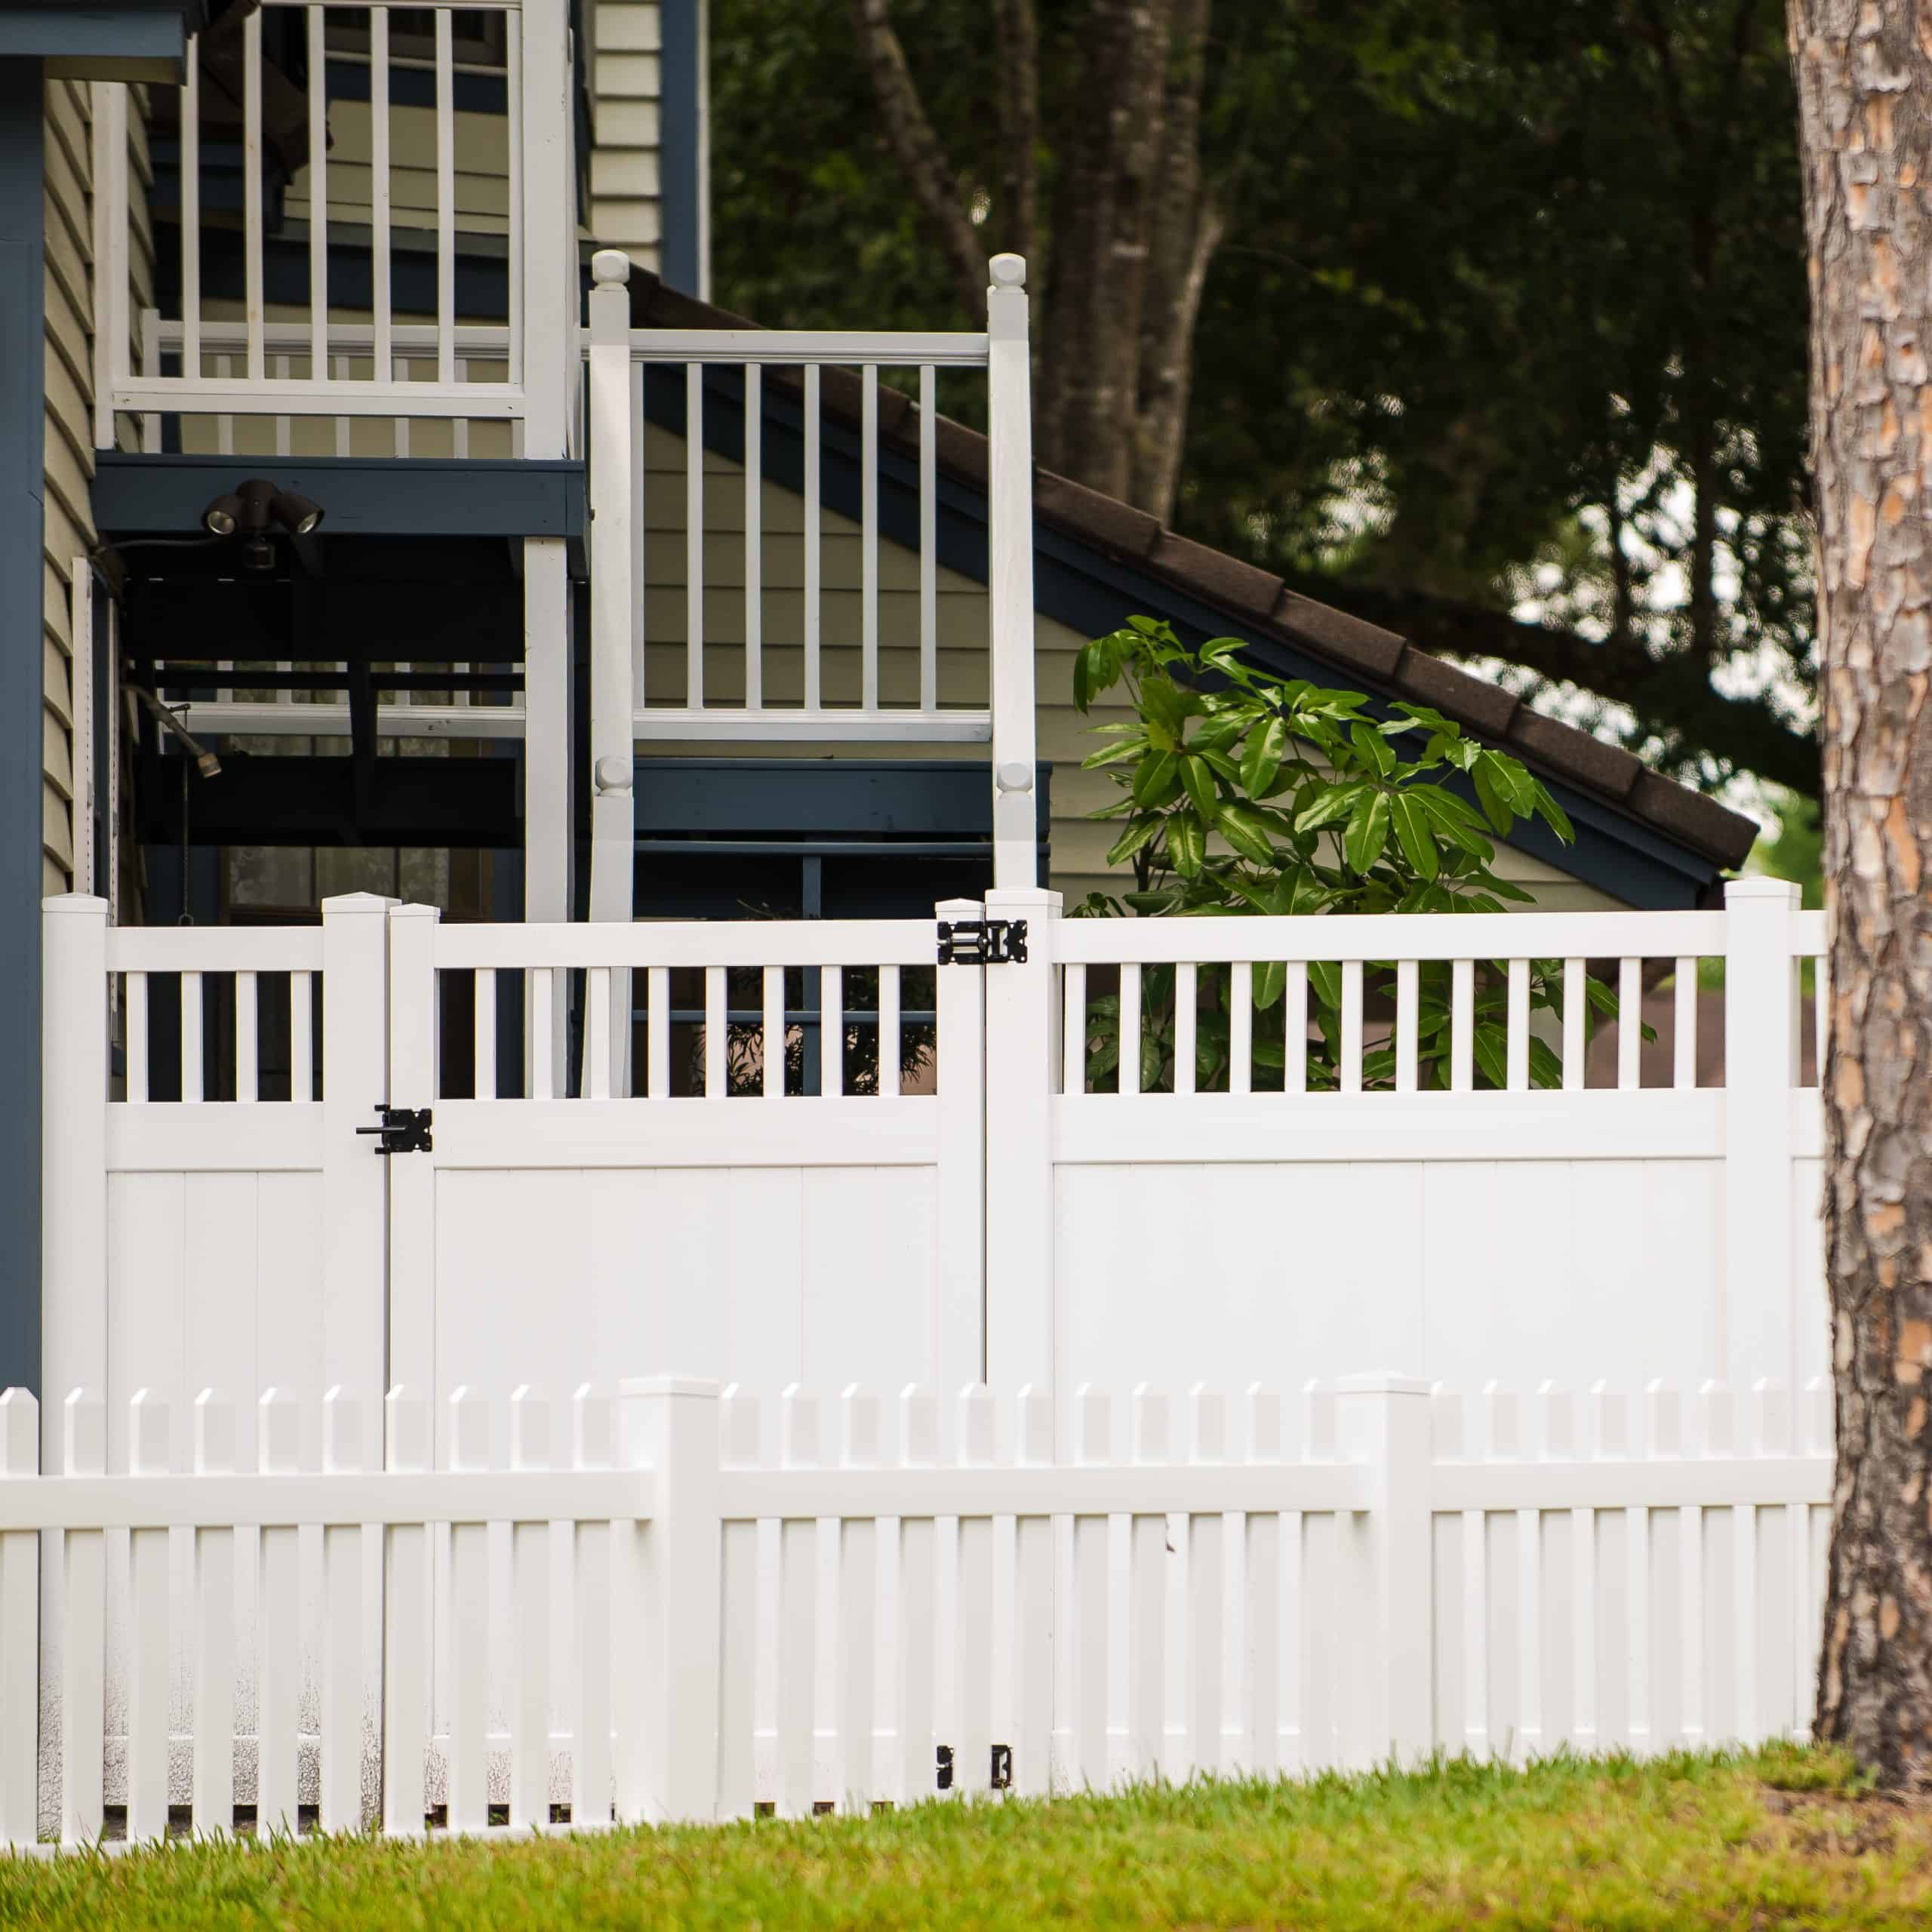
[(1779, 1838)]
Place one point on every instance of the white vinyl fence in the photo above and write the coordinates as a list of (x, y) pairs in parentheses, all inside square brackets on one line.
[(678, 1618)]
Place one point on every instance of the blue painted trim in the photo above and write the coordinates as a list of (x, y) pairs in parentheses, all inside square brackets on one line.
[(23, 326), (1090, 592), (681, 134), (162, 495), (103, 43)]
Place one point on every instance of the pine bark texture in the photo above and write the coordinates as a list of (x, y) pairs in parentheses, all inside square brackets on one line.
[(1864, 76)]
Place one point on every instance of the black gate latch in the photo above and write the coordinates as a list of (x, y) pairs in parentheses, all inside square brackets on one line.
[(981, 942), (404, 1130)]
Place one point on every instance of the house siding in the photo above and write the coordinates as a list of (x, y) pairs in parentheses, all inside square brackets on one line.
[(626, 72)]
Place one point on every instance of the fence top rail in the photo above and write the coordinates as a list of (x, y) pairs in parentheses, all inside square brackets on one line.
[(726, 943), (1422, 936), (298, 338), (891, 348), (214, 949)]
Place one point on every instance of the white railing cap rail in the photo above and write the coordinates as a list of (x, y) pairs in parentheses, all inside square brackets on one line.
[(886, 348)]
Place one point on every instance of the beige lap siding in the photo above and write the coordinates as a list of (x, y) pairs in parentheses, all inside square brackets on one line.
[(625, 206), (1079, 843)]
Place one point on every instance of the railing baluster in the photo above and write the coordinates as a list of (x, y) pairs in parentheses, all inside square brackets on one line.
[(1629, 1023), (445, 199), (597, 1055), (831, 1032), (191, 213), (1407, 1023), (1073, 1031), (1683, 1071), (1186, 1004), (928, 540), (247, 1057), (754, 540), (813, 554), (301, 1036), (251, 186), (135, 1056), (771, 1052), (191, 1036), (379, 185), (1294, 1028), (657, 1032), (1241, 1027), (888, 1030), (543, 1006), (1462, 1025), (1350, 1070), (694, 536), (715, 1034), (318, 196), (1130, 1027), (485, 1035), (869, 539), (1575, 999), (1516, 1048)]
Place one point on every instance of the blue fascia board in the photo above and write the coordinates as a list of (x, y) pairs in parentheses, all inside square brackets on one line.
[(511, 496), (130, 41), (681, 147)]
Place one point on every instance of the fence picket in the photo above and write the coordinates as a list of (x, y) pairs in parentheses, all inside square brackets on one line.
[(530, 1622), (738, 1438), (798, 1615), (973, 1622), (1093, 1446), (918, 1448), (1033, 1632), (592, 1447), (467, 1796), (343, 1687), (19, 1581), (1261, 1583), (405, 1615), (84, 1636), (858, 1585), (147, 1632), (1205, 1634), (277, 1624), (1147, 1600)]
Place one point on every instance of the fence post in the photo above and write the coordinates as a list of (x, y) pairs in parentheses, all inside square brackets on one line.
[(355, 1078), (668, 1720), (1758, 1325), (1010, 574), (71, 1315), (959, 1334), (1384, 1422), (1023, 1072)]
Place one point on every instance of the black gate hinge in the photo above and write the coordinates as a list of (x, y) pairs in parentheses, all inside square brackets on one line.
[(404, 1130), (981, 942)]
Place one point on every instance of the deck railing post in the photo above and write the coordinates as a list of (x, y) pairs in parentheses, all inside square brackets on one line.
[(668, 1717), (1758, 1326), (1010, 574), (549, 285), (1384, 1424)]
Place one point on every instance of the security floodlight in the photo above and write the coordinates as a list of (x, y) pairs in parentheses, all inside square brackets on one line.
[(223, 516), (251, 507)]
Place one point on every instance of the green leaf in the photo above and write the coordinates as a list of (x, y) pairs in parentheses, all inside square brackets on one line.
[(1157, 782), (1498, 806), (1261, 757), (1271, 980), (1367, 832), (1119, 753), (1325, 977), (1199, 782), (1330, 802), (1187, 843), (1412, 831), (1373, 748), (1491, 1052), (1247, 831), (1136, 835), (1552, 815)]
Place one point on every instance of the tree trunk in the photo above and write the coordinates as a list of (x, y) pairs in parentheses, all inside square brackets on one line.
[(1864, 78)]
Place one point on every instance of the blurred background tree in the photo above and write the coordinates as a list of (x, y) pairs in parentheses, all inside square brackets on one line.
[(1500, 337)]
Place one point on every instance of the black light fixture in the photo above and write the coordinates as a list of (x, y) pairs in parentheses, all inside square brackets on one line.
[(251, 508)]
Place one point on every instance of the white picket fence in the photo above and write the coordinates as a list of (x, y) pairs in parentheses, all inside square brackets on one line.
[(678, 1619)]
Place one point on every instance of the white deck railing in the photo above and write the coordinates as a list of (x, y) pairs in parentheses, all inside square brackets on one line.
[(223, 369)]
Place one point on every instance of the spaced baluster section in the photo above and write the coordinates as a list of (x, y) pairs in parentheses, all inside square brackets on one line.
[(1684, 1071), (134, 1001), (694, 536), (889, 1042), (798, 1615), (1320, 1629), (1576, 1002), (319, 194), (1351, 1066), (928, 540), (147, 1632), (1516, 1034), (740, 1441), (248, 1054), (191, 207), (530, 1623), (1241, 1027), (1629, 1023), (657, 1032), (1616, 1662), (715, 1039), (754, 540), (868, 538), (379, 192), (1093, 1426), (858, 1586), (278, 1664), (405, 1621), (252, 187), (813, 545), (84, 1639), (542, 1005), (1073, 1030), (597, 1053), (20, 1593), (212, 1795), (832, 1032), (1130, 1027), (343, 1454), (1261, 1584), (485, 1035), (445, 198), (1204, 1628), (1147, 1600), (1032, 1684), (918, 1602), (1407, 1023), (1294, 1028), (973, 1622), (191, 1036), (592, 1447), (468, 1795), (1185, 1021), (772, 1048), (1462, 1025)]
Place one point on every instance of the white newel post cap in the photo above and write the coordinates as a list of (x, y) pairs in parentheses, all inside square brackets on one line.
[(609, 265), (1783, 889), (1008, 271)]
